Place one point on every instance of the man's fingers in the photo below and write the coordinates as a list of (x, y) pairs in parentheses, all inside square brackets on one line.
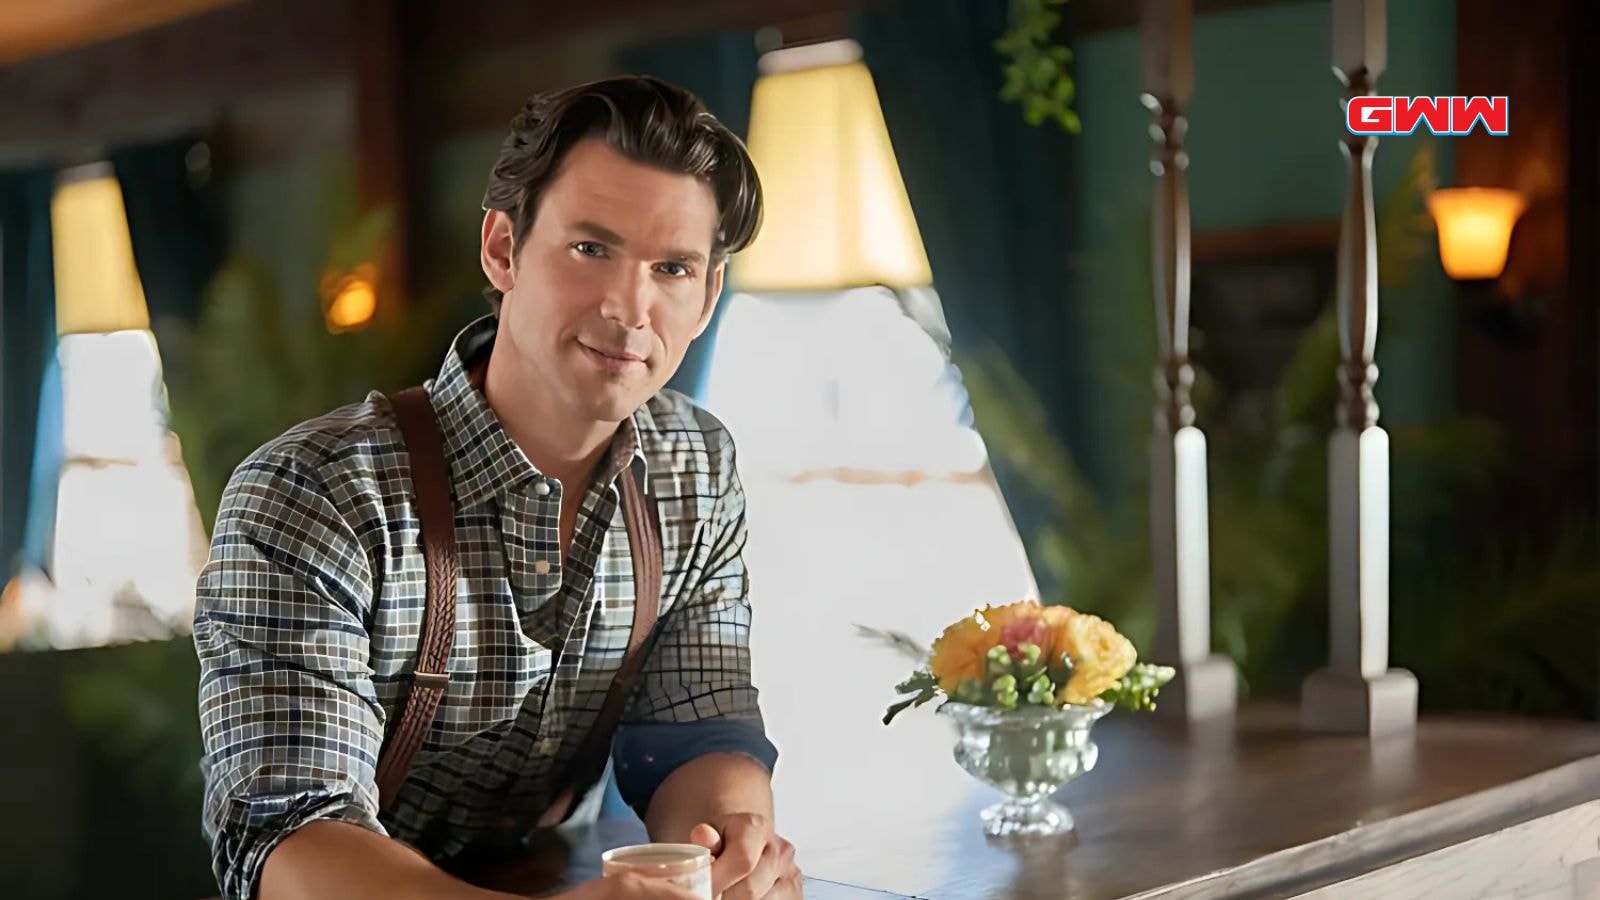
[(742, 843), (777, 861), (707, 837), (789, 887)]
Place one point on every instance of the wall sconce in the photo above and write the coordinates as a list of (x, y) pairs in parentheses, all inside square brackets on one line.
[(1475, 226)]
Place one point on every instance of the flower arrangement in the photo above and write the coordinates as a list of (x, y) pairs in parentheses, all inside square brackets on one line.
[(1025, 654)]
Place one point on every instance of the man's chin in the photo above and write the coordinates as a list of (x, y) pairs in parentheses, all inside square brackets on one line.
[(612, 406)]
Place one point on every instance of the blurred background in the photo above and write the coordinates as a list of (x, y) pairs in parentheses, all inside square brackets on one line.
[(221, 217)]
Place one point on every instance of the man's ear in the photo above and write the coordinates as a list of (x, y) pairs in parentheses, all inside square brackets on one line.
[(497, 251), (713, 293)]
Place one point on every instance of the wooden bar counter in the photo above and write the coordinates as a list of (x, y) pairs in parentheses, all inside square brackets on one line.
[(1466, 807)]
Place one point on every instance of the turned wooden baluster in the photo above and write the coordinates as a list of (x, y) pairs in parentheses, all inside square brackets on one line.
[(1358, 692), (1205, 686)]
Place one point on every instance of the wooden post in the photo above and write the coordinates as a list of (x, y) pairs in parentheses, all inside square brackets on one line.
[(1206, 685), (385, 109), (1358, 692)]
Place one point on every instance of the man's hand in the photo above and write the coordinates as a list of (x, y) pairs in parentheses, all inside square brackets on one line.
[(752, 862), (628, 886)]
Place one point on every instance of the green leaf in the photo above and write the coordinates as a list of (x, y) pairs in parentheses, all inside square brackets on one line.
[(926, 688), (897, 709), (919, 681), (1063, 92), (1137, 690)]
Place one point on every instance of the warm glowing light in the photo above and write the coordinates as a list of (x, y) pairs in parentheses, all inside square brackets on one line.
[(1475, 227), (837, 214), (354, 298)]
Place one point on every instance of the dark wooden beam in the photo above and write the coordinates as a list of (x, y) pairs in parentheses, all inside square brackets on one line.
[(1081, 17), (163, 81), (30, 30), (457, 26), (467, 35), (382, 38), (185, 74), (1538, 383), (1583, 229), (1583, 208)]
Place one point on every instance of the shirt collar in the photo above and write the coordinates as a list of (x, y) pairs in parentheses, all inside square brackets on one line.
[(484, 461)]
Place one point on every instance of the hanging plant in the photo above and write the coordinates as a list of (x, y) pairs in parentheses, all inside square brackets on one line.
[(1036, 73)]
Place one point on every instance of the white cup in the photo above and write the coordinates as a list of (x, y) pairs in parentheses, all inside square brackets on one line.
[(685, 865)]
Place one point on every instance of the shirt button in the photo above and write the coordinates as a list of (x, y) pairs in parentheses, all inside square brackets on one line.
[(549, 746), (542, 567), (542, 488)]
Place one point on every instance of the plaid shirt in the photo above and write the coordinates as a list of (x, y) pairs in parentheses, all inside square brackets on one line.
[(311, 606)]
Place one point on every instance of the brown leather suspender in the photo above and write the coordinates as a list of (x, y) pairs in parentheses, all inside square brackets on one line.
[(436, 515), (431, 476)]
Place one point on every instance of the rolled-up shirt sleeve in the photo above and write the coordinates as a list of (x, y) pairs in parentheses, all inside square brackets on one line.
[(647, 752), (290, 722), (696, 695)]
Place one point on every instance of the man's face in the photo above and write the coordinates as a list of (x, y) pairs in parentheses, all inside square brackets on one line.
[(611, 284)]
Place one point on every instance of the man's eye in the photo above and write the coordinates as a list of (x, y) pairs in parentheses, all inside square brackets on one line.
[(673, 269), (589, 248)]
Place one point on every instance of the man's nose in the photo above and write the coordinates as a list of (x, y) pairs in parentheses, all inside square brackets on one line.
[(627, 299)]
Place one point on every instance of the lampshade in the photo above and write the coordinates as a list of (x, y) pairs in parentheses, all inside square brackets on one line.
[(837, 214), (1475, 227), (97, 286)]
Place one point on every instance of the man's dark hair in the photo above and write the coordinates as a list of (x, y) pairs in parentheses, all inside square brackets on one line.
[(646, 119)]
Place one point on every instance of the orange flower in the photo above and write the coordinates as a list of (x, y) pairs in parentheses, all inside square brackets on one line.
[(959, 653), (1017, 623), (1100, 657), (1055, 624)]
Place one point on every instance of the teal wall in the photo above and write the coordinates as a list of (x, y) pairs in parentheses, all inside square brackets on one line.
[(1264, 126)]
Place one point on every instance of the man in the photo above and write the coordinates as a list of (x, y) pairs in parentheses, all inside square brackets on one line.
[(611, 213)]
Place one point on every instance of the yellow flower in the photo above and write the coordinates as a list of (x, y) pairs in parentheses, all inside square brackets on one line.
[(1100, 656), (959, 653)]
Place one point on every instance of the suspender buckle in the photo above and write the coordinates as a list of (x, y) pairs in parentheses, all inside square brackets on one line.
[(440, 680)]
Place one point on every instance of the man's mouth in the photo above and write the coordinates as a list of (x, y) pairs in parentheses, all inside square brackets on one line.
[(611, 357)]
